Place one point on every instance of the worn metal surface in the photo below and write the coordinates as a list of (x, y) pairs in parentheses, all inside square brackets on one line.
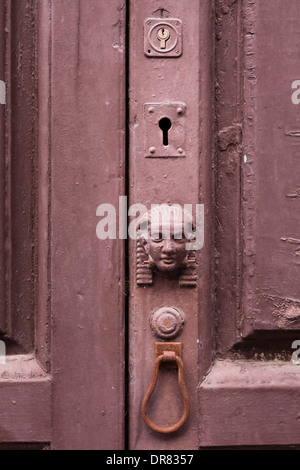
[(169, 142), (167, 322), (163, 37)]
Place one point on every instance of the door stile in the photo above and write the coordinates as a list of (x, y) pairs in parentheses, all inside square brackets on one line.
[(25, 386), (156, 83)]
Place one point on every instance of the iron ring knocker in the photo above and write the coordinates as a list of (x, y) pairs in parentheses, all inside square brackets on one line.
[(167, 356)]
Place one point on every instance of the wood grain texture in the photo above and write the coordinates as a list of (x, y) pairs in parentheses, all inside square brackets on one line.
[(87, 152)]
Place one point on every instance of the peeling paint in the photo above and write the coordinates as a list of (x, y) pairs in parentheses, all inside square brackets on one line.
[(286, 314), (231, 135), (293, 241), (293, 134), (294, 194)]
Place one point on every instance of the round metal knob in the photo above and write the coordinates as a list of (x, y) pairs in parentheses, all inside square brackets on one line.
[(167, 322)]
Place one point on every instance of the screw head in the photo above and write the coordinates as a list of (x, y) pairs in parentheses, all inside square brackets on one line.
[(152, 150), (179, 111), (180, 150), (151, 109)]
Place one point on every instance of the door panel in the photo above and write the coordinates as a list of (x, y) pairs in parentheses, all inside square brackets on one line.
[(273, 146), (20, 176), (250, 397)]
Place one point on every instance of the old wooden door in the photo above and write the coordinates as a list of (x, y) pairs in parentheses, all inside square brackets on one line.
[(193, 104)]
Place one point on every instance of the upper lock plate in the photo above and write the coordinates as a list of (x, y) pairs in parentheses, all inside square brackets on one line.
[(163, 37)]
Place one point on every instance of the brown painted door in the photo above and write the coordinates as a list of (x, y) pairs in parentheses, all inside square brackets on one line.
[(189, 103)]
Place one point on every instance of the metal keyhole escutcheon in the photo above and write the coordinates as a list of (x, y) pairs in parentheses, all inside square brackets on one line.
[(165, 125)]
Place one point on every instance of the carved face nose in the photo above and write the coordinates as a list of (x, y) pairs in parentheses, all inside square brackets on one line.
[(168, 246)]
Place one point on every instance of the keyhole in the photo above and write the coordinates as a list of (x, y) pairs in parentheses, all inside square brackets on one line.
[(165, 125)]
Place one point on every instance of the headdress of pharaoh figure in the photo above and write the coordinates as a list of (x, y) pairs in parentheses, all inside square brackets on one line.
[(163, 235)]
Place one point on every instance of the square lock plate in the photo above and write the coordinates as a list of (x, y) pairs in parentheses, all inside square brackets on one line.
[(163, 37), (161, 347), (165, 129)]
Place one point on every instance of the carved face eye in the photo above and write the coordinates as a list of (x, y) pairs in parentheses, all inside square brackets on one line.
[(157, 237)]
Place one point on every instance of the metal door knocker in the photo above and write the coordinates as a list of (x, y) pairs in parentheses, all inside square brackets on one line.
[(169, 355)]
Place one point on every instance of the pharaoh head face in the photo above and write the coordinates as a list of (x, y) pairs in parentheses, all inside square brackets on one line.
[(165, 231)]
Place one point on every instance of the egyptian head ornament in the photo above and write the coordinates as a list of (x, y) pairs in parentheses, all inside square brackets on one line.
[(164, 234)]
